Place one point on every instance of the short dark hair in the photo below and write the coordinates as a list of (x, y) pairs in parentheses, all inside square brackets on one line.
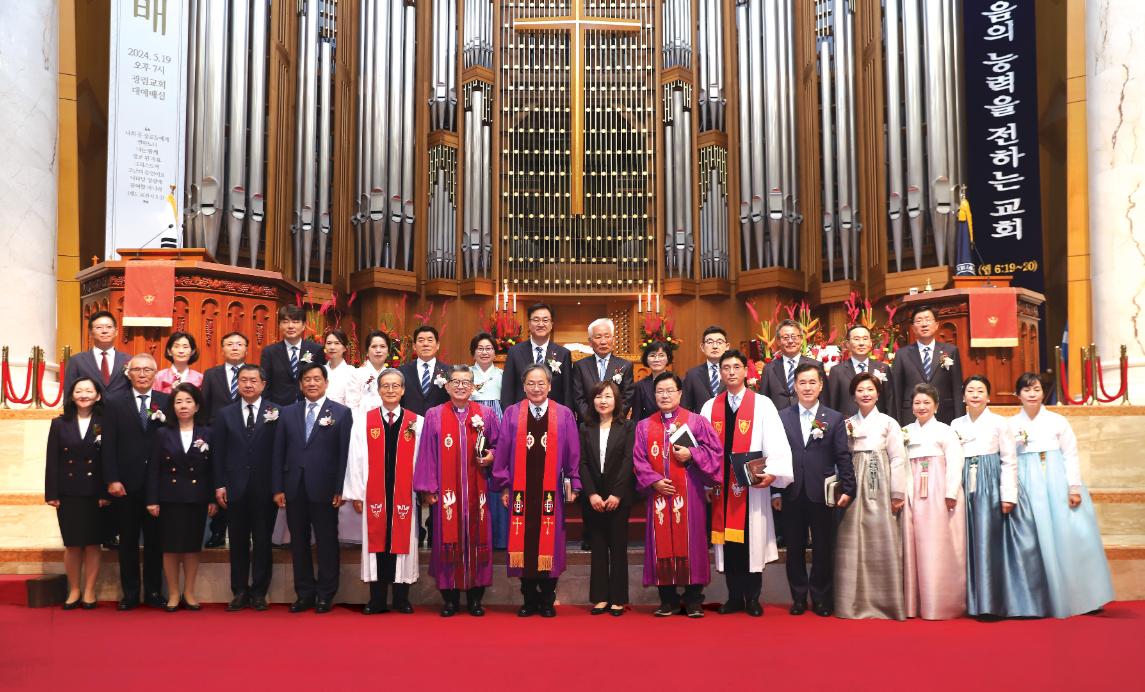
[(98, 315), (668, 375), (921, 309), (714, 329), (339, 335), (865, 377), (70, 408), (591, 415), (291, 312), (1029, 379), (476, 341), (256, 368), (374, 335), (196, 394), (654, 347), (853, 327), (977, 378), (304, 368), (244, 336), (540, 306), (926, 389), (175, 336), (733, 353), (804, 367), (425, 328), (788, 323)]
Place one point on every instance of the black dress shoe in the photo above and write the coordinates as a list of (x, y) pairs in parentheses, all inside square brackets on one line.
[(259, 603), (732, 606), (217, 540), (74, 604), (665, 610), (90, 606), (171, 608), (238, 603), (375, 606), (526, 611), (799, 607), (475, 608), (448, 610), (598, 610), (155, 600), (112, 543), (403, 607), (585, 545), (547, 610), (616, 612), (323, 605), (823, 610), (695, 610), (129, 603), (302, 604), (188, 606), (754, 609)]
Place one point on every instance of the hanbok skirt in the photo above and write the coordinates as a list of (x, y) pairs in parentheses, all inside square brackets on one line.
[(1077, 573), (1004, 572), (934, 546), (868, 546), (499, 514)]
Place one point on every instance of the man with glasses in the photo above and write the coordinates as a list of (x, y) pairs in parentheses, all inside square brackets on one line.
[(221, 389), (859, 345), (703, 382), (672, 474), (453, 472), (130, 423), (931, 361), (539, 349), (777, 382), (102, 362), (425, 374)]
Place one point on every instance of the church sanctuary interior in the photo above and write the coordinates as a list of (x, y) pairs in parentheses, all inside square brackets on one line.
[(196, 166)]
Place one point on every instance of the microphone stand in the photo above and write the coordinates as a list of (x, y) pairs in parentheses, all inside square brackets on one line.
[(179, 256)]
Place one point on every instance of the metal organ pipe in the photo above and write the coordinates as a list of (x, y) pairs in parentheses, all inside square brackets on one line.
[(894, 128), (236, 147), (914, 102), (826, 129), (937, 131)]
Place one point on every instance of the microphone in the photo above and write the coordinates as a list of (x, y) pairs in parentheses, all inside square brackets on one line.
[(166, 243)]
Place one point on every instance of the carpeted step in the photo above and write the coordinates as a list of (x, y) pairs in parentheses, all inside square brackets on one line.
[(33, 590)]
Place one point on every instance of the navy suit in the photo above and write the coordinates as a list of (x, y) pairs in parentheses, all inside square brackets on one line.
[(175, 475), (74, 465), (804, 502), (586, 374), (281, 384), (838, 388), (521, 356), (908, 371), (773, 382), (216, 392), (85, 365), (435, 396), (311, 472), (242, 463), (698, 388), (643, 400)]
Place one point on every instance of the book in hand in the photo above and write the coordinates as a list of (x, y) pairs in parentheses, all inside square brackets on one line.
[(832, 490), (568, 490), (748, 467), (683, 437)]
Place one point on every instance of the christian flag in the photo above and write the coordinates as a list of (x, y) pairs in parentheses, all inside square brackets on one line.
[(993, 317), (149, 293)]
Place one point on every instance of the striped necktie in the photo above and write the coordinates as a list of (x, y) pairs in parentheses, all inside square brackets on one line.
[(926, 361), (310, 418), (294, 361), (715, 383), (863, 366), (425, 379), (540, 354), (234, 382), (790, 375)]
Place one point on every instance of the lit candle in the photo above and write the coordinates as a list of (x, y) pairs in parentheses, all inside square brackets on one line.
[(639, 302), (514, 303), (657, 303)]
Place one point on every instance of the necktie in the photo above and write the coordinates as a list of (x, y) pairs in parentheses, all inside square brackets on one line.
[(234, 382), (310, 419), (926, 361), (734, 400), (143, 410), (537, 412), (602, 366), (790, 375), (715, 383), (391, 414), (540, 354), (425, 379), (105, 369), (806, 426), (863, 367), (249, 417), (294, 361)]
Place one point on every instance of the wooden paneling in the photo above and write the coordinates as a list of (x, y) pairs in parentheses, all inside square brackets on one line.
[(807, 143), (280, 137), (345, 110), (871, 164)]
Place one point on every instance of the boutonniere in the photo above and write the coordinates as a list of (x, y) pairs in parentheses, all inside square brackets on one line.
[(201, 445), (906, 438), (672, 429), (98, 436), (947, 362), (176, 379), (328, 420), (554, 365), (817, 429), (477, 422), (880, 376), (618, 377), (1022, 436), (850, 429), (410, 429), (959, 435), (270, 416), (125, 367), (439, 381), (369, 380), (307, 357), (156, 413)]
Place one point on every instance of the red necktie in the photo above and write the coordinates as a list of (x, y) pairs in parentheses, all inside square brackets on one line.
[(105, 369), (391, 417)]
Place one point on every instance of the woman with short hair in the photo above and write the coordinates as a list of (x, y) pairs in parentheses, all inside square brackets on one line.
[(182, 353), (362, 392), (657, 357)]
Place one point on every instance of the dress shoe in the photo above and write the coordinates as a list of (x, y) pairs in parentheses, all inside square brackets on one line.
[(403, 607), (259, 603), (375, 606), (799, 607), (754, 609), (599, 610), (616, 611), (732, 606), (475, 608), (129, 603), (301, 605), (238, 603), (188, 606), (74, 604), (217, 540), (155, 600), (695, 610), (323, 605), (585, 545), (823, 610), (448, 610), (547, 610), (112, 543), (527, 610), (171, 608), (665, 610), (90, 606)]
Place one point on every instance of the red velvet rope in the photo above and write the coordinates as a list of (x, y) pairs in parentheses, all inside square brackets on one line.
[(1124, 367), (26, 398), (1065, 397), (59, 394)]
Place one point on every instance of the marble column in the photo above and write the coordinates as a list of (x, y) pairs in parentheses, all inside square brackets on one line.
[(1115, 112), (29, 93)]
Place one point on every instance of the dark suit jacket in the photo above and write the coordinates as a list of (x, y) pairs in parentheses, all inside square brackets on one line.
[(322, 457), (74, 465), (838, 394), (281, 386), (216, 392), (178, 476), (820, 458), (521, 356), (697, 388), (84, 365), (586, 375), (619, 478), (127, 447), (242, 462), (412, 399), (773, 383), (907, 372), (643, 400)]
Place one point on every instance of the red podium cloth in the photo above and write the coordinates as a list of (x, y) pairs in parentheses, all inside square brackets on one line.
[(993, 317), (149, 293)]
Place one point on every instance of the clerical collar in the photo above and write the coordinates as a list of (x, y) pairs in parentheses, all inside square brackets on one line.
[(669, 415), (814, 408), (461, 411)]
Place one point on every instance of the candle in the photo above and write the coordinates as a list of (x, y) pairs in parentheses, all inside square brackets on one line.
[(639, 302), (514, 303), (657, 303)]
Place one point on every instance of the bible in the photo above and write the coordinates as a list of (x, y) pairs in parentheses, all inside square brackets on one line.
[(832, 490), (748, 467)]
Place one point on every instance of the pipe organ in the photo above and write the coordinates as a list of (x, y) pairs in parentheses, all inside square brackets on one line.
[(679, 240), (715, 257), (478, 48), (440, 255), (477, 233), (710, 59)]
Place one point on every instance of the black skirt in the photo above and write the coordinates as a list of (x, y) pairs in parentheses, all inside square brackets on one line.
[(182, 526), (80, 520)]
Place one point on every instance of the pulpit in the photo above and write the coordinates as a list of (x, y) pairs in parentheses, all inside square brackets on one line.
[(211, 300)]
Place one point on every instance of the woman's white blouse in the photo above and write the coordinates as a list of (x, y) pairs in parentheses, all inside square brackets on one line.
[(991, 434), (187, 437), (84, 424), (341, 381), (880, 432), (603, 446), (936, 439), (487, 383), (1046, 432)]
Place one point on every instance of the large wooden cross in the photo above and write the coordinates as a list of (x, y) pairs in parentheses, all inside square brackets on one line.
[(577, 24)]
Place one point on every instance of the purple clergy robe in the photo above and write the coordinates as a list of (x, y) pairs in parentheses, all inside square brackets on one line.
[(705, 470), (427, 479), (505, 464)]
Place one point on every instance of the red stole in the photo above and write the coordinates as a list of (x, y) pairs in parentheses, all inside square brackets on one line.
[(729, 508), (376, 528), (670, 512), (523, 444), (451, 479)]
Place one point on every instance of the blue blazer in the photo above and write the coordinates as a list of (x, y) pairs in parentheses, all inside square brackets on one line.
[(74, 464), (322, 457), (242, 463), (819, 459), (178, 476)]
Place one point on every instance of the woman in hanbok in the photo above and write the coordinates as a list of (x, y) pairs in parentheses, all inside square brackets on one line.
[(362, 392), (1004, 572), (934, 531), (868, 547), (1077, 573), (182, 353), (487, 392)]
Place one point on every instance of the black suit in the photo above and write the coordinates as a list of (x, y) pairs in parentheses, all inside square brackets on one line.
[(698, 387), (127, 449), (643, 400), (242, 462), (609, 572), (311, 472), (175, 475), (74, 465), (521, 356), (773, 382), (838, 390), (281, 384), (804, 503), (85, 365), (586, 374), (908, 371), (216, 391), (413, 399)]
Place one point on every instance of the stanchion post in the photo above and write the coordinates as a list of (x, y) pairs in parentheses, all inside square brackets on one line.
[(3, 388), (37, 358), (1124, 362)]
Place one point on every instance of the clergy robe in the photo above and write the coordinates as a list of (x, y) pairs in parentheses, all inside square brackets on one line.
[(767, 436), (477, 570), (357, 478), (705, 470), (568, 466)]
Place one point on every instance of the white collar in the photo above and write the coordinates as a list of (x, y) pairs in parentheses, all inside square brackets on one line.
[(544, 407), (738, 396), (604, 357), (814, 410), (228, 366), (714, 366), (294, 345), (794, 360), (432, 363), (933, 343), (97, 352), (855, 363), (136, 393), (1025, 416), (933, 419), (484, 370), (544, 347), (321, 402), (257, 403), (397, 411)]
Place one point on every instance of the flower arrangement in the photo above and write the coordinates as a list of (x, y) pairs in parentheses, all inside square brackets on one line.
[(504, 327), (271, 415), (754, 374), (659, 326), (860, 311)]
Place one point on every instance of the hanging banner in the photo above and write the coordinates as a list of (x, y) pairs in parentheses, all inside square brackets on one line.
[(148, 293), (147, 109), (1003, 182)]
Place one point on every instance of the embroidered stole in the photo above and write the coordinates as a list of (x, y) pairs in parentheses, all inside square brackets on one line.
[(452, 491), (376, 528), (523, 444), (729, 507), (670, 512)]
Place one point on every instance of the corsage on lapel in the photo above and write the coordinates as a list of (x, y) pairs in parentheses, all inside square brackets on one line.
[(817, 429)]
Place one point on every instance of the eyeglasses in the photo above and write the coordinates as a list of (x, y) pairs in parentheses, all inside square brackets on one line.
[(461, 384), (924, 321), (484, 349), (790, 338), (666, 392), (103, 328), (391, 387), (714, 342), (540, 320), (142, 371)]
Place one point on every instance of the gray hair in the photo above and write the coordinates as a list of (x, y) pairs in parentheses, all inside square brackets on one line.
[(602, 322), (148, 356), (537, 366), (460, 367), (392, 371)]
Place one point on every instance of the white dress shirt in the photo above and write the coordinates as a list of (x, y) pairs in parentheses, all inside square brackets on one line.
[(532, 409), (1046, 432), (866, 365), (991, 434), (396, 411), (98, 353), (533, 345), (317, 410), (84, 424), (257, 403), (229, 370), (603, 446), (602, 365), (806, 418)]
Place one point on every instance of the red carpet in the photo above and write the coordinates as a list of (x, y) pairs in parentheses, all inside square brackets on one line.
[(53, 649)]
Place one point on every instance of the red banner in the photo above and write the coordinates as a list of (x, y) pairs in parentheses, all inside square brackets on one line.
[(993, 317), (149, 293)]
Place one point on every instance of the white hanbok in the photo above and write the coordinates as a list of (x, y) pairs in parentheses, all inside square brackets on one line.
[(362, 391)]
